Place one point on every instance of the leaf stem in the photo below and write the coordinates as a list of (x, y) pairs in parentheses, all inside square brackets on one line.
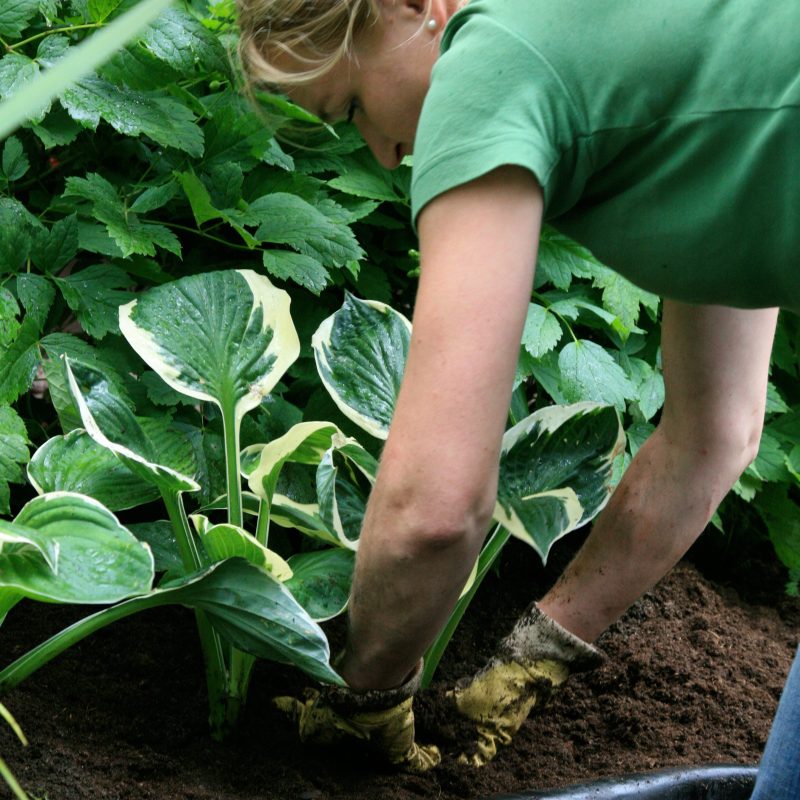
[(205, 235), (44, 34), (491, 550)]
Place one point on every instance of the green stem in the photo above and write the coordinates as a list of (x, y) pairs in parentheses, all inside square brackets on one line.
[(53, 31), (491, 550), (230, 430), (40, 655), (210, 642), (205, 235), (262, 526), (5, 773)]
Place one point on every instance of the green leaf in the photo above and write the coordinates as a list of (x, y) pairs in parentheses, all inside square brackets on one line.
[(138, 69), (155, 197), (15, 162), (555, 471), (37, 295), (54, 249), (160, 537), (93, 294), (99, 561), (13, 453), (111, 423), (588, 372), (225, 337), (101, 10), (57, 129), (258, 614), (362, 176), (182, 41), (286, 219), (80, 61), (230, 541), (621, 296), (770, 463), (542, 331), (16, 72), (321, 581), (19, 361), (130, 235), (199, 198), (134, 113), (303, 270), (15, 15), (17, 228), (76, 463), (560, 259), (360, 353), (9, 311)]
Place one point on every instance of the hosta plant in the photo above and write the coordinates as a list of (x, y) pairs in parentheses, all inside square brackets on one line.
[(555, 470), (222, 340)]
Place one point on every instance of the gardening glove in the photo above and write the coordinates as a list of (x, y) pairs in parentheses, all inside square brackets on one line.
[(531, 663), (383, 719)]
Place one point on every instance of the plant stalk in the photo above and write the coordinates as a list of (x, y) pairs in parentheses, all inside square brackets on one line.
[(491, 550)]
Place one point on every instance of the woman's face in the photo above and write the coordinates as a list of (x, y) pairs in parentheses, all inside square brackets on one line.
[(382, 85)]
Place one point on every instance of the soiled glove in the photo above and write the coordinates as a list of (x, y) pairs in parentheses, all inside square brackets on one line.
[(383, 719), (531, 663)]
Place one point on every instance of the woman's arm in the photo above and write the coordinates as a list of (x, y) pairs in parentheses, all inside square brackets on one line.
[(430, 509)]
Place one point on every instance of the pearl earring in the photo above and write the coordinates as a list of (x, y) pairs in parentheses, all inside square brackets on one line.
[(431, 24)]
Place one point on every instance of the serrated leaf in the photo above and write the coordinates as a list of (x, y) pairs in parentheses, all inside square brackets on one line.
[(588, 372), (542, 331), (15, 162), (95, 297), (9, 310), (19, 361), (13, 452), (182, 41), (101, 10), (286, 219), (17, 71), (198, 197), (53, 249), (134, 113), (57, 129), (130, 235), (36, 294), (17, 228), (770, 463), (235, 135), (621, 296), (15, 15), (155, 197), (560, 259), (362, 176), (137, 68), (303, 270)]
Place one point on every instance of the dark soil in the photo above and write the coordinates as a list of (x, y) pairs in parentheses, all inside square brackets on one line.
[(694, 674)]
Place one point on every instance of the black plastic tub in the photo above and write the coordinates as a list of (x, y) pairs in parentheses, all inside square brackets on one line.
[(710, 782)]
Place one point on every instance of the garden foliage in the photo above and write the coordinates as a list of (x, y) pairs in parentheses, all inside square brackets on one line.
[(152, 167)]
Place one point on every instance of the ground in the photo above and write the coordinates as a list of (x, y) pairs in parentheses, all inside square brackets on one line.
[(693, 676)]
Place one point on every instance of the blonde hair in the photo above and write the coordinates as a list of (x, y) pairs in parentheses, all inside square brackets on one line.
[(315, 34)]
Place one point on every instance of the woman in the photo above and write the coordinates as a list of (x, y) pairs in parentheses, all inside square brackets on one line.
[(663, 136)]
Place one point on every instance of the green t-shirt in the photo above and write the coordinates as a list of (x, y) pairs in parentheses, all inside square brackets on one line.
[(665, 133)]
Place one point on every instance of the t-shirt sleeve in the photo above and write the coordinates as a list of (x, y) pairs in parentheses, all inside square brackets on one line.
[(493, 100)]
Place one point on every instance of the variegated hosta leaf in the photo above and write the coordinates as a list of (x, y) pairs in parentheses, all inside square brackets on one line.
[(304, 517), (259, 615), (555, 470), (361, 353), (304, 443), (229, 541), (76, 463), (225, 337), (344, 480), (99, 561), (321, 581), (112, 424)]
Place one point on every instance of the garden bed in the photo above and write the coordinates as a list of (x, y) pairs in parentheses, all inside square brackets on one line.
[(694, 675)]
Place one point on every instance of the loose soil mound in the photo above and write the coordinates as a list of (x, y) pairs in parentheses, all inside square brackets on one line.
[(694, 674)]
